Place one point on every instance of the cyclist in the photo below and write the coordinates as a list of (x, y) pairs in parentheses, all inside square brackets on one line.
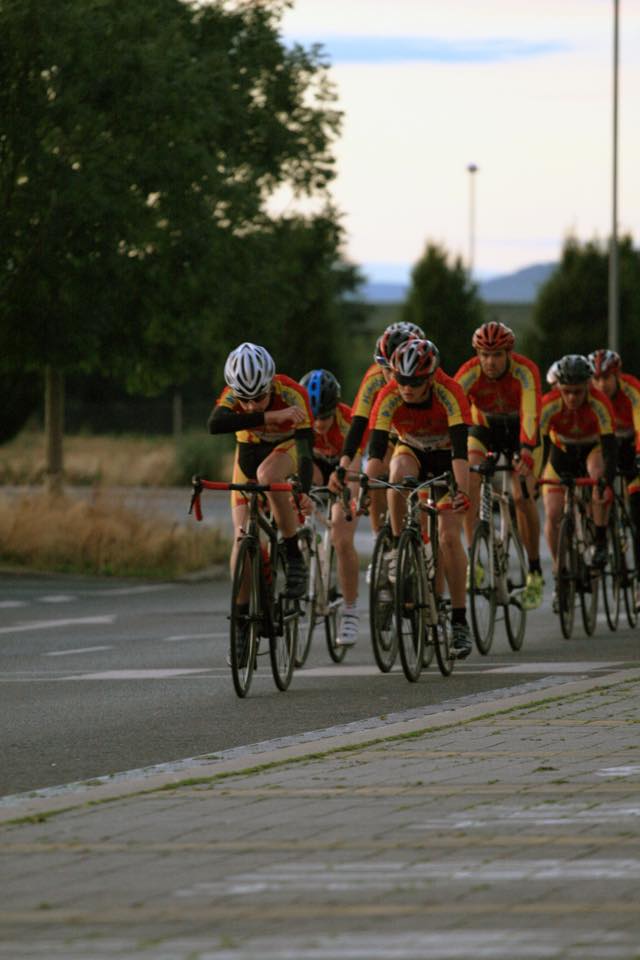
[(577, 429), (430, 414), (330, 426), (623, 391), (270, 416), (503, 390), (375, 378)]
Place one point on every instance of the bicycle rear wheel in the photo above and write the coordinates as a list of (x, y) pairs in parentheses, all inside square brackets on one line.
[(245, 621), (284, 635), (567, 576), (482, 592), (384, 638), (334, 605), (611, 579), (305, 631), (589, 581), (410, 605), (628, 567), (515, 616)]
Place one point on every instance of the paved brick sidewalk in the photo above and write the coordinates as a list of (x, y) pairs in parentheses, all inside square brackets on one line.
[(509, 830)]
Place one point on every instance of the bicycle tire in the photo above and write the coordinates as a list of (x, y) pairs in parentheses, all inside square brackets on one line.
[(567, 576), (515, 615), (443, 640), (305, 632), (629, 569), (285, 628), (482, 595), (384, 637), (611, 578), (334, 603), (410, 605), (589, 582), (247, 568)]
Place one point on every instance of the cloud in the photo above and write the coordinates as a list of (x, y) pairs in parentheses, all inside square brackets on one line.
[(347, 49)]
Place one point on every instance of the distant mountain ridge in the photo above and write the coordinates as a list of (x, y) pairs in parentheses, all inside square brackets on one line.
[(519, 287)]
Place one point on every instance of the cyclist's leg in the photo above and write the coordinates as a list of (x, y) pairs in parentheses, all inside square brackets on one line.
[(280, 463), (553, 500), (404, 463), (343, 536), (600, 509)]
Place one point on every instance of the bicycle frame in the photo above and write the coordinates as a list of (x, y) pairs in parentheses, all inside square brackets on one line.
[(489, 497)]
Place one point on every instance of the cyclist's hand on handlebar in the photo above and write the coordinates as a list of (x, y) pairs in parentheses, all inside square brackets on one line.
[(460, 502), (337, 480), (523, 464), (303, 503)]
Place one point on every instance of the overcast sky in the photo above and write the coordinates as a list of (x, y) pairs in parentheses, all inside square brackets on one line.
[(521, 88)]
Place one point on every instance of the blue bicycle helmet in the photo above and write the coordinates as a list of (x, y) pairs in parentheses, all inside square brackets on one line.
[(323, 390)]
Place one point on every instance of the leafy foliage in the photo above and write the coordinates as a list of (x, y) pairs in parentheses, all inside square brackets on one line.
[(571, 311), (444, 302)]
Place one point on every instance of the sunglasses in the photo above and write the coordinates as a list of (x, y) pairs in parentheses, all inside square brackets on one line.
[(406, 381)]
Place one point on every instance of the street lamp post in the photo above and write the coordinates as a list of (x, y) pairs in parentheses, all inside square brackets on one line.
[(472, 169), (614, 272)]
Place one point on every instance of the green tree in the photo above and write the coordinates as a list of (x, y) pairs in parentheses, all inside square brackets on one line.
[(139, 144), (570, 313), (444, 302)]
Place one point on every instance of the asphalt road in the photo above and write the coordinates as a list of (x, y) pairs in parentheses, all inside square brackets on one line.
[(103, 676)]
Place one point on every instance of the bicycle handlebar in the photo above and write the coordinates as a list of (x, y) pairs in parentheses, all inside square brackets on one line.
[(199, 484)]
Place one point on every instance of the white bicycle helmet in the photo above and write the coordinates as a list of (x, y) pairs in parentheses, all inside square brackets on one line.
[(249, 371)]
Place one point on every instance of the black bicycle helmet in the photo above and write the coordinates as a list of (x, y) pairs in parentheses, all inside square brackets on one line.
[(573, 369), (393, 336), (324, 391)]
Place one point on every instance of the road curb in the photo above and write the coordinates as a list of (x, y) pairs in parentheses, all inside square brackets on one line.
[(126, 785)]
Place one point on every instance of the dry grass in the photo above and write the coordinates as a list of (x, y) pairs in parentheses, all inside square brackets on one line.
[(109, 461), (39, 532)]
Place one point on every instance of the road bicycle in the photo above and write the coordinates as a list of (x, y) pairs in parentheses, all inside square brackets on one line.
[(422, 615), (576, 546), (620, 576), (323, 600), (259, 606), (497, 568)]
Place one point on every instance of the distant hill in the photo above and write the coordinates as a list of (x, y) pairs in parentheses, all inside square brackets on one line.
[(519, 287)]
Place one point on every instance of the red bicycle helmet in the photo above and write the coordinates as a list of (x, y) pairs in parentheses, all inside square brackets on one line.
[(605, 362), (493, 336)]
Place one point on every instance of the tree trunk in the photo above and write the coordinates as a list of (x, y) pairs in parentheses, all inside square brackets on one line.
[(54, 428), (177, 414)]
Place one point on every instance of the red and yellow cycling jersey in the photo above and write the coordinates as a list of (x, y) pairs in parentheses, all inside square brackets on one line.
[(426, 425), (585, 426), (626, 409), (370, 386), (330, 444), (285, 392), (516, 393)]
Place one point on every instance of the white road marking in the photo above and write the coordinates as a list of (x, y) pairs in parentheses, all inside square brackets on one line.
[(382, 875), (57, 598), (541, 815), (36, 625), (159, 674), (197, 636), (630, 771), (127, 591), (66, 653), (9, 604), (553, 666)]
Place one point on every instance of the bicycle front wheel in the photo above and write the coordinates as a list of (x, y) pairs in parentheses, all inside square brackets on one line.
[(567, 576), (629, 569), (246, 615), (482, 592), (611, 579), (305, 631), (284, 635), (334, 605), (589, 582), (443, 639), (410, 605), (384, 638), (515, 616)]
